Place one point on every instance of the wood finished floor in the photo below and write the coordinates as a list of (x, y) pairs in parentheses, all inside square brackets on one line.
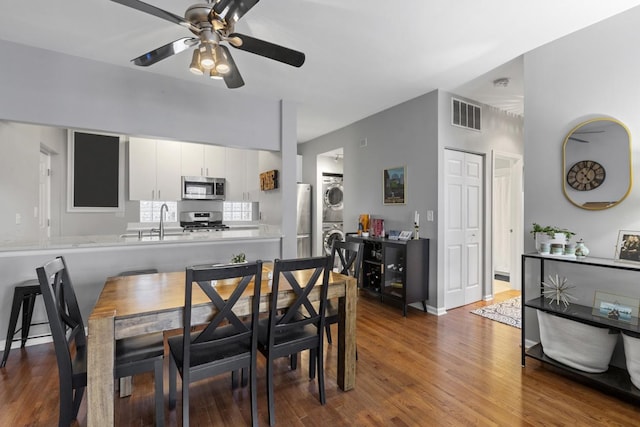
[(422, 370)]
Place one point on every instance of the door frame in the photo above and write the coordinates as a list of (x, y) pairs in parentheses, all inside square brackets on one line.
[(517, 217)]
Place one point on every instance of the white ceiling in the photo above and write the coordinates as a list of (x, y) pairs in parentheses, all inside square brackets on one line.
[(363, 56)]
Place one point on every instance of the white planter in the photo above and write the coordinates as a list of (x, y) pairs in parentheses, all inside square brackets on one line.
[(545, 238), (632, 354), (579, 346)]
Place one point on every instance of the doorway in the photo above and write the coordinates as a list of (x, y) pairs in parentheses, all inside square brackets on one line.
[(464, 229), (507, 211)]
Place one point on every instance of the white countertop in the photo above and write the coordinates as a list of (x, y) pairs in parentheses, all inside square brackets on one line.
[(171, 237)]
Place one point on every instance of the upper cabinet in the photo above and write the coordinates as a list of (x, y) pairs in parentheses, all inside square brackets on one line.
[(597, 164), (154, 169), (203, 160), (243, 183)]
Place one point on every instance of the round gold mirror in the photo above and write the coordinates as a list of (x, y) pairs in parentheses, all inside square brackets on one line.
[(597, 169)]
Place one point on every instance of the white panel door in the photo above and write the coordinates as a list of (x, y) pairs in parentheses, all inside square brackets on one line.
[(168, 173), (215, 161), (142, 169), (464, 194), (192, 159)]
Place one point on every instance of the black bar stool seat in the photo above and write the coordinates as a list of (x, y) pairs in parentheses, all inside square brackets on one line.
[(24, 295)]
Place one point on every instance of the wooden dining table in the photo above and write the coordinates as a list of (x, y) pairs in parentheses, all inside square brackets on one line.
[(135, 305)]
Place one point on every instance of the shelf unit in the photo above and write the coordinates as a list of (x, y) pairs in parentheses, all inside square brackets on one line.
[(615, 380), (395, 270)]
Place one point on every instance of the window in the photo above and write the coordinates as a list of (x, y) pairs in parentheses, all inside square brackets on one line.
[(237, 211), (150, 211)]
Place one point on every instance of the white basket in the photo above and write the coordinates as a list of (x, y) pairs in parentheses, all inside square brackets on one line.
[(632, 354), (577, 345)]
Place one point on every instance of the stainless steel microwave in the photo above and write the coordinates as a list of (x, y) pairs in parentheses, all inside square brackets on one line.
[(202, 188)]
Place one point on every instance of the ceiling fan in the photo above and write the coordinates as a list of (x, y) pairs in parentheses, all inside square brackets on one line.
[(213, 23)]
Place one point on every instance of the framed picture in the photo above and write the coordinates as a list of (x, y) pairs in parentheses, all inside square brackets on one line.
[(394, 184), (616, 307), (628, 246)]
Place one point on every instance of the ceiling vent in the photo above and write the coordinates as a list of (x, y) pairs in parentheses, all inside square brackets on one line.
[(465, 115)]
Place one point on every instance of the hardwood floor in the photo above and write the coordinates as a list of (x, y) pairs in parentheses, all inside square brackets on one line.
[(422, 370)]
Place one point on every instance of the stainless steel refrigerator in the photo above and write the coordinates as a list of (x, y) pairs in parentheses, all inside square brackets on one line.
[(303, 219)]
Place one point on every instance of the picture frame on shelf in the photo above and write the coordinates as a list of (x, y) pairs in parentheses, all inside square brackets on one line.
[(405, 235), (616, 307), (628, 246), (394, 184)]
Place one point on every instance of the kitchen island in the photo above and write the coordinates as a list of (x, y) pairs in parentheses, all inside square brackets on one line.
[(91, 259)]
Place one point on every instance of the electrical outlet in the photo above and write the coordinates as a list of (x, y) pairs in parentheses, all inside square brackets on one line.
[(429, 215)]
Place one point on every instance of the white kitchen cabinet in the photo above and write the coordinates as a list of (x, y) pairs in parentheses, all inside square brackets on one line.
[(154, 169), (202, 160), (242, 175)]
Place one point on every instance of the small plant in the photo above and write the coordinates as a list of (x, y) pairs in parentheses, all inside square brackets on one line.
[(238, 259), (557, 290), (551, 230)]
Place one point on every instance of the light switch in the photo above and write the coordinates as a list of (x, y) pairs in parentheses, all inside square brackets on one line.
[(429, 215), (18, 219)]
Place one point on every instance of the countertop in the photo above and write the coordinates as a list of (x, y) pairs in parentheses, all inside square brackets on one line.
[(263, 232)]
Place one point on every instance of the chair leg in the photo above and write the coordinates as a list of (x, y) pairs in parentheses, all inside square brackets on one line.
[(159, 392), (185, 399), (327, 328), (28, 302), (173, 373), (293, 360), (272, 410), (312, 363), (66, 406), (253, 389), (320, 358), (13, 321)]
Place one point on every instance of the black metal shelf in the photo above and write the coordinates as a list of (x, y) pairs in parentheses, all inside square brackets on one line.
[(615, 380)]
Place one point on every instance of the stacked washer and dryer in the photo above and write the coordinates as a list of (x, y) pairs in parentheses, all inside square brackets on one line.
[(332, 204)]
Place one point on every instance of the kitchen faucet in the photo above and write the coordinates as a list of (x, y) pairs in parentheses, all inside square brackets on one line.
[(160, 229)]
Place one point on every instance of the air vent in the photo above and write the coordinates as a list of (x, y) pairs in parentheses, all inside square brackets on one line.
[(465, 115)]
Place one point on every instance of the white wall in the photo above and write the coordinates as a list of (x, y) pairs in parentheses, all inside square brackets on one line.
[(593, 72), (590, 73)]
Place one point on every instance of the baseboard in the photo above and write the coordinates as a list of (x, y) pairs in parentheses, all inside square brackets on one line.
[(29, 343), (437, 311)]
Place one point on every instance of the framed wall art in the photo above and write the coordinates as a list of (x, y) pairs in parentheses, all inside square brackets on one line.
[(394, 184), (616, 307), (628, 246)]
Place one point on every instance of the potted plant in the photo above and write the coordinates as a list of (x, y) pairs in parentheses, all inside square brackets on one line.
[(241, 258), (550, 234)]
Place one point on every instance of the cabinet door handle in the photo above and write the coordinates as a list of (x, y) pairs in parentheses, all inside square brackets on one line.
[(159, 196), (201, 171), (153, 193), (207, 171)]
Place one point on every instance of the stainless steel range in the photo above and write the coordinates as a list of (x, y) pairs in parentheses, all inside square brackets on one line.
[(202, 221)]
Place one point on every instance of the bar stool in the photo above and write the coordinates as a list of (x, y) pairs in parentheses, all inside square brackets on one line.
[(24, 295)]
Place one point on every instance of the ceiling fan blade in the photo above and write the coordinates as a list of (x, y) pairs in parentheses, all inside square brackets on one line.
[(232, 10), (165, 51), (266, 49), (156, 11), (232, 79)]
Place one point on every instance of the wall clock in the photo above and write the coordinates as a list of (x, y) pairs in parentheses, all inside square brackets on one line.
[(586, 175)]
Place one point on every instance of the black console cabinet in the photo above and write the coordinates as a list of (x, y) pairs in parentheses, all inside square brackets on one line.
[(395, 270)]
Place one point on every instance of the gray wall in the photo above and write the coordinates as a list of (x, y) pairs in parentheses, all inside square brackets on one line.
[(412, 134), (593, 72)]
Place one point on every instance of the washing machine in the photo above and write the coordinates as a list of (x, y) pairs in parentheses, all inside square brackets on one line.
[(331, 232), (332, 195)]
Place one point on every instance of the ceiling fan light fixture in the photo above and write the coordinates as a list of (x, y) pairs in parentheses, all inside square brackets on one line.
[(206, 56), (214, 74), (222, 65), (195, 66)]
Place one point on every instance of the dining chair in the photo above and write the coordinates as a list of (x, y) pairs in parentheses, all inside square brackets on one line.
[(133, 355), (223, 344), (348, 257), (287, 333)]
